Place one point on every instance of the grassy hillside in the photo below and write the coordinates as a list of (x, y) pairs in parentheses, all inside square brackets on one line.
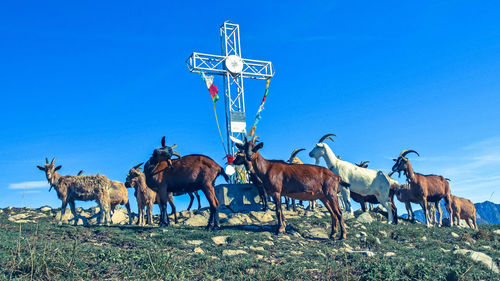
[(372, 251)]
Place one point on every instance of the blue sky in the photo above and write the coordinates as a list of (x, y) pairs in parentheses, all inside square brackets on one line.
[(97, 85)]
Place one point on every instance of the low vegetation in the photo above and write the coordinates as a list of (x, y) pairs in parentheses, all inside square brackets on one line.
[(42, 250)]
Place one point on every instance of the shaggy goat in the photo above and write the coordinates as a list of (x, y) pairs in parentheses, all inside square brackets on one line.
[(361, 180), (118, 195), (82, 188), (187, 174), (423, 188), (303, 182), (463, 209)]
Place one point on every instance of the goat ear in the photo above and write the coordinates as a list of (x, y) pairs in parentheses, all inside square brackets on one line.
[(41, 168), (58, 167), (394, 159), (257, 147), (239, 146), (163, 142)]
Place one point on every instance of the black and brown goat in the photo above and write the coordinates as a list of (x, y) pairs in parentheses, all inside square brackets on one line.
[(299, 181), (187, 174), (423, 188)]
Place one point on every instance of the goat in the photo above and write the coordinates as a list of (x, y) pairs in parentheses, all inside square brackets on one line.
[(423, 188), (361, 180), (145, 196), (118, 195), (463, 209), (299, 181), (187, 174), (82, 188)]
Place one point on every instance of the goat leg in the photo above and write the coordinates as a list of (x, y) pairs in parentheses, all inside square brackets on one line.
[(191, 199)]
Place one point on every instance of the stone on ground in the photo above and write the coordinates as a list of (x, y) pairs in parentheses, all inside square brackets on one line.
[(219, 240), (364, 218), (479, 257), (199, 250), (233, 252)]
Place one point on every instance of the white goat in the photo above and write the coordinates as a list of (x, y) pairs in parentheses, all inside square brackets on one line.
[(362, 180)]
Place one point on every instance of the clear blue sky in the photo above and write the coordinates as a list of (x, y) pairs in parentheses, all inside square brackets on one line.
[(98, 84)]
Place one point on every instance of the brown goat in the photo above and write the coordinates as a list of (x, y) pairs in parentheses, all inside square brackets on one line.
[(463, 209), (145, 196), (423, 188), (299, 181), (188, 174), (82, 188)]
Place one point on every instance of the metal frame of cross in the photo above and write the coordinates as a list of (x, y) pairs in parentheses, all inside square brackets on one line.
[(234, 70)]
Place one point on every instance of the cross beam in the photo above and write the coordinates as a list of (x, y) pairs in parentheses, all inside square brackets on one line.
[(215, 65)]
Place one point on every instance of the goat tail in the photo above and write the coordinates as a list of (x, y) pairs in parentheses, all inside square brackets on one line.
[(223, 173)]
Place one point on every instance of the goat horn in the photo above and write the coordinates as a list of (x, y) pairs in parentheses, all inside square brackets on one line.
[(138, 165), (254, 138), (52, 162), (46, 160), (327, 136), (176, 154), (295, 152), (163, 141), (405, 152), (174, 146), (365, 162)]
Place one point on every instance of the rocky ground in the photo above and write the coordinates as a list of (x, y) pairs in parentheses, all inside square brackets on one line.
[(33, 246)]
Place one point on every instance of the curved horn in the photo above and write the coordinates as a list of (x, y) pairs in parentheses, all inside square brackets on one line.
[(46, 160), (52, 162), (327, 136), (364, 163), (295, 152), (405, 152), (174, 146), (163, 142), (254, 138), (176, 154), (138, 165)]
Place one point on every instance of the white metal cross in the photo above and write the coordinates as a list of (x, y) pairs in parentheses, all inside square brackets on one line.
[(234, 69)]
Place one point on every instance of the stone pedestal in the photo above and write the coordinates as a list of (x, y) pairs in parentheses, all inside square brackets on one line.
[(238, 197)]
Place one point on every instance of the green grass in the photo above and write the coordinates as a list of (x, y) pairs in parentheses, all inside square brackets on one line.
[(45, 251)]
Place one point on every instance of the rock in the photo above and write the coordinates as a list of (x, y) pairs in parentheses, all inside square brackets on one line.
[(259, 257), (233, 252), (219, 240), (65, 218), (199, 250), (250, 270), (383, 233), (258, 248), (497, 231), (234, 221), (194, 242), (389, 254), (269, 243), (347, 216), (261, 216), (196, 220), (238, 197), (364, 218), (380, 208), (378, 241), (362, 233), (368, 253), (479, 257), (319, 233), (297, 253), (120, 216), (454, 234), (423, 238), (20, 218), (444, 250), (45, 209)]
